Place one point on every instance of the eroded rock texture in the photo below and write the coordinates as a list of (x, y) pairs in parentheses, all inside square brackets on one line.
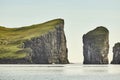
[(116, 54), (49, 48), (96, 46)]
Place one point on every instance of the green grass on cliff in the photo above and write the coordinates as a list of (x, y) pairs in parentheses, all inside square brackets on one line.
[(98, 31), (11, 39), (97, 36)]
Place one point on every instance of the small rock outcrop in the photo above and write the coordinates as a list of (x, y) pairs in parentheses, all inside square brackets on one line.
[(116, 54), (96, 46)]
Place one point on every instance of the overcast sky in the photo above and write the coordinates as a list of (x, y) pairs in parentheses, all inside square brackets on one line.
[(80, 17)]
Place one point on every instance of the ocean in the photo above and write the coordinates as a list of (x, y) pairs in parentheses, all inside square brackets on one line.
[(60, 72)]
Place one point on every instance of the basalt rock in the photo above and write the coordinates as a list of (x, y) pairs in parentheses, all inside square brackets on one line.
[(116, 54), (49, 48), (96, 46), (37, 44)]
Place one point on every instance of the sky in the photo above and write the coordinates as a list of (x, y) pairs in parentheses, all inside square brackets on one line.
[(80, 17)]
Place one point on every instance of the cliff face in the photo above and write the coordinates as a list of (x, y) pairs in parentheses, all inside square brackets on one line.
[(40, 44), (116, 54), (49, 48), (96, 46)]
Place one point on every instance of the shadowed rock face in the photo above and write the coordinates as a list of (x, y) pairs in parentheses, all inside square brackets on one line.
[(96, 46), (49, 48), (116, 54)]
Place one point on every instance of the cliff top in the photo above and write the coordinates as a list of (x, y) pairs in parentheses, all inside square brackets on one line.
[(98, 31), (11, 38), (117, 44)]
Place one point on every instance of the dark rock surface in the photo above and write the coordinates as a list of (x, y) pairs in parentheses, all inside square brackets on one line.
[(48, 48), (116, 54), (15, 61), (96, 46)]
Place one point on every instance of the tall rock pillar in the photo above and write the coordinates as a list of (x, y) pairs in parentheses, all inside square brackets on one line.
[(96, 46), (116, 54)]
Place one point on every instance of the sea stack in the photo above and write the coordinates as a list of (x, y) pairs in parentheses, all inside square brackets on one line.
[(116, 54), (36, 44), (96, 46)]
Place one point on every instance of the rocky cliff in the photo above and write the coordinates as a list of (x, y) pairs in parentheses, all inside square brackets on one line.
[(37, 44), (96, 46), (116, 54)]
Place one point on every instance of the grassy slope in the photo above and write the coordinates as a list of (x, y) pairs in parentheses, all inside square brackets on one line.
[(11, 38)]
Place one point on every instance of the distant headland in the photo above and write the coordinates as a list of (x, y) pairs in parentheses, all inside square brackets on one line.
[(36, 44)]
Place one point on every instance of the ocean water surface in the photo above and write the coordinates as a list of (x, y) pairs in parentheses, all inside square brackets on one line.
[(60, 72)]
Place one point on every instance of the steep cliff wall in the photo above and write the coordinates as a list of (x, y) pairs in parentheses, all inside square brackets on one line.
[(96, 46), (49, 48), (37, 44), (116, 54)]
